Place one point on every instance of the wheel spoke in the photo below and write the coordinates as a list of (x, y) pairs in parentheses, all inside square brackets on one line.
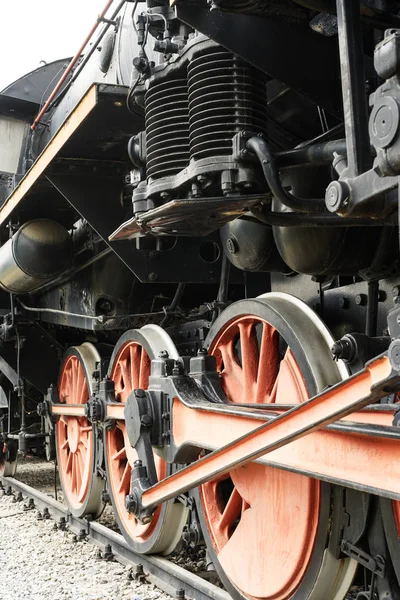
[(75, 371), (144, 370), (120, 455), (126, 376), (73, 473), (232, 375), (125, 479), (64, 445), (250, 358), (69, 462), (268, 365), (79, 470), (231, 511), (290, 389), (135, 354)]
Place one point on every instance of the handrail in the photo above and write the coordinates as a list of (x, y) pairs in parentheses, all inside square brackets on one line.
[(71, 65)]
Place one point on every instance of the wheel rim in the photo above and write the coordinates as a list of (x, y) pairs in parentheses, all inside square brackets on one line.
[(264, 557), (130, 369), (75, 436)]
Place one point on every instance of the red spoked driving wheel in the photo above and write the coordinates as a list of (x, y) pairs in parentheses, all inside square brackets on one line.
[(75, 436), (130, 369), (268, 529)]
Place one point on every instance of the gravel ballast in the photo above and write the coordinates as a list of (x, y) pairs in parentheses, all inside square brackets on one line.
[(39, 563)]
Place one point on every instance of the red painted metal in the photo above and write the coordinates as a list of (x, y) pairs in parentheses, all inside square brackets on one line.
[(254, 514), (131, 370), (71, 65), (311, 416)]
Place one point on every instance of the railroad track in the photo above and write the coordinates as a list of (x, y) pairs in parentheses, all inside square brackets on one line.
[(166, 575)]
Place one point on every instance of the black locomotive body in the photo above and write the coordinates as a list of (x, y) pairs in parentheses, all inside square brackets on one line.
[(211, 194)]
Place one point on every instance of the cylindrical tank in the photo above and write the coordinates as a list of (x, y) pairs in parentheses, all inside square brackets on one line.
[(40, 251), (322, 251), (250, 246)]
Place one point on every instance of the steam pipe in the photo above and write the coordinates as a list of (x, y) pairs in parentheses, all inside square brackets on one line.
[(316, 154), (259, 147), (71, 65)]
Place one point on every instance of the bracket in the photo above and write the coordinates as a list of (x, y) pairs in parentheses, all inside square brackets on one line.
[(376, 564)]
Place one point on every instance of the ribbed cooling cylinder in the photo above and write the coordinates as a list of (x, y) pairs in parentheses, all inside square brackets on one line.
[(39, 251), (167, 128), (226, 96)]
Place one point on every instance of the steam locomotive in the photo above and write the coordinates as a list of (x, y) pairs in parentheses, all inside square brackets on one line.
[(200, 285)]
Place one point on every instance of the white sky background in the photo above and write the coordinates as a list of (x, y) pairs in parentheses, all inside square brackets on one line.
[(35, 30)]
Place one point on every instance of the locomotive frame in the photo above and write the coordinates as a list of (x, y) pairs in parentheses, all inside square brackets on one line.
[(180, 296)]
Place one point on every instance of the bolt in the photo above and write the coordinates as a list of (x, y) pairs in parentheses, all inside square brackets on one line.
[(152, 276), (62, 524), (74, 539), (177, 369), (82, 535), (180, 594), (146, 420), (343, 302), (39, 516), (139, 393), (343, 349), (107, 554), (30, 505), (361, 299), (396, 290), (131, 502), (99, 554), (46, 514), (55, 527), (201, 352), (232, 245), (105, 497), (394, 354), (18, 497), (163, 354), (337, 196), (105, 305), (139, 572)]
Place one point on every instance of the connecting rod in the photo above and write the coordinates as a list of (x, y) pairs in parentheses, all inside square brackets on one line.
[(337, 402)]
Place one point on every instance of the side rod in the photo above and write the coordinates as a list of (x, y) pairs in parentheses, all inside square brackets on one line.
[(335, 403)]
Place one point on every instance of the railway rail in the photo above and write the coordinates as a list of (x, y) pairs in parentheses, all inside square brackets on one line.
[(169, 577)]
